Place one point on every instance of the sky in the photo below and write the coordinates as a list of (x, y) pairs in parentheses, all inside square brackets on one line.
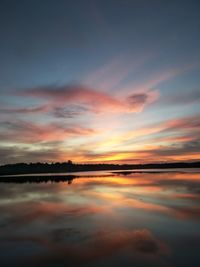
[(99, 81)]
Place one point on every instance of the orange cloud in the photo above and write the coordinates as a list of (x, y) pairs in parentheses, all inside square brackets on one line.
[(27, 132)]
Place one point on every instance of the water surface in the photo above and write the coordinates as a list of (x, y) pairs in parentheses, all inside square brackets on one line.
[(102, 219)]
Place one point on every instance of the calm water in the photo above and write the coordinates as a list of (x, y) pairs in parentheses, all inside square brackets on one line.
[(142, 219)]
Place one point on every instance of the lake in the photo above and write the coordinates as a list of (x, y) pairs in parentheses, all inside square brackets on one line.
[(140, 219)]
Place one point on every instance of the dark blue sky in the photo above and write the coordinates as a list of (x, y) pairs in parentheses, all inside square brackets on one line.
[(64, 39)]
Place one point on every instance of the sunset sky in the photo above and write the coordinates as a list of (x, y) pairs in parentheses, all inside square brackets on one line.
[(99, 81)]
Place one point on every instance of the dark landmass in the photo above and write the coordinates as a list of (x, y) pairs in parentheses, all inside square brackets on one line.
[(37, 179), (148, 171), (20, 179), (56, 178), (42, 178), (65, 167)]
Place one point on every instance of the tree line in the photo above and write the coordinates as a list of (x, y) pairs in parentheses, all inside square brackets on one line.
[(69, 166)]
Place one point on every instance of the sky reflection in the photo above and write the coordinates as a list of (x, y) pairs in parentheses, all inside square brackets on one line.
[(143, 219)]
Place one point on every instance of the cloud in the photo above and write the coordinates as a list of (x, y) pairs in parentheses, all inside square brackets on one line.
[(185, 129), (137, 101), (188, 151), (19, 153), (25, 110), (28, 132), (170, 140), (141, 244), (24, 213), (91, 99), (173, 140), (191, 122), (70, 111), (115, 72), (183, 98)]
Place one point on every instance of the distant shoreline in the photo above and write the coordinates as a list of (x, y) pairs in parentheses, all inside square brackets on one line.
[(56, 177), (69, 167)]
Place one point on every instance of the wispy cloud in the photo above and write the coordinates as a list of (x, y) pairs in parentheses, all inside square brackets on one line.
[(25, 110), (28, 132), (91, 99), (156, 79), (114, 72), (172, 140), (183, 98)]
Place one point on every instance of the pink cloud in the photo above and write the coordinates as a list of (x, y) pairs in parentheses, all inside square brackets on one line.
[(112, 74), (96, 101), (27, 132), (156, 79), (191, 122)]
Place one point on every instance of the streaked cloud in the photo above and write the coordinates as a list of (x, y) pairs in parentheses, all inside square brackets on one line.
[(25, 110), (94, 100), (183, 98), (172, 140), (28, 132)]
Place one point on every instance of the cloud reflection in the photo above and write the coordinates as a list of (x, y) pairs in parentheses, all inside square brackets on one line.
[(117, 219), (142, 245)]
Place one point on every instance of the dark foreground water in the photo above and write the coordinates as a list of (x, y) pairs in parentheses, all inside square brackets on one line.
[(141, 219)]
